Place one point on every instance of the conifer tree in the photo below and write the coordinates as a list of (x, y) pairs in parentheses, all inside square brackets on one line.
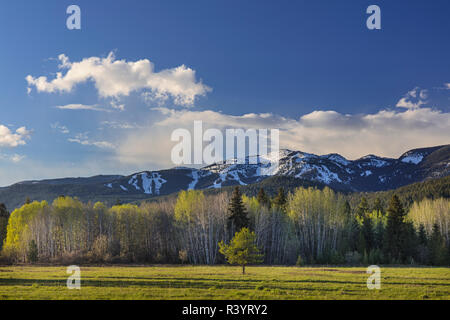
[(32, 253), (368, 234), (280, 200), (422, 235), (4, 216), (263, 199), (437, 247), (242, 250), (395, 230), (238, 213)]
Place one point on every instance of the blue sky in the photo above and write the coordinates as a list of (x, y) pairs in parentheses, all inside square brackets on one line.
[(310, 68)]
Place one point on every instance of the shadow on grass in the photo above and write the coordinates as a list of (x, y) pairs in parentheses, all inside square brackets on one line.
[(202, 283)]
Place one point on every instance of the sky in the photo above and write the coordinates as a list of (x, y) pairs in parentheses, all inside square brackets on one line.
[(105, 99)]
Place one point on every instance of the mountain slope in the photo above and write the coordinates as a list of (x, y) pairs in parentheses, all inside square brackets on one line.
[(369, 173)]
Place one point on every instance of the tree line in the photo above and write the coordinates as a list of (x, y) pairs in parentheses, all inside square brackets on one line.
[(306, 226)]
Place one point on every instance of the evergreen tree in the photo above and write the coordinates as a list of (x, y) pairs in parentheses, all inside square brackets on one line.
[(353, 235), (4, 216), (238, 214), (32, 253), (263, 199), (280, 200), (395, 230), (242, 249), (422, 235), (437, 247), (423, 252), (411, 242), (368, 234), (379, 234)]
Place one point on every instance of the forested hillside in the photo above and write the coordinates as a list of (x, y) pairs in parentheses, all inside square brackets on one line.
[(305, 226)]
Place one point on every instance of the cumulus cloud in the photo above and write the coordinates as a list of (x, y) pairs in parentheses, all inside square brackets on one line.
[(13, 139), (386, 133), (413, 99), (115, 78), (81, 107)]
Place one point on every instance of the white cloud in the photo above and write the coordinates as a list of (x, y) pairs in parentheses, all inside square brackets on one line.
[(413, 99), (17, 158), (12, 157), (13, 139), (386, 133), (115, 78), (81, 107)]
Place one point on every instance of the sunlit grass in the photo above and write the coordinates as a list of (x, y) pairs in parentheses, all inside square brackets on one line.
[(223, 282)]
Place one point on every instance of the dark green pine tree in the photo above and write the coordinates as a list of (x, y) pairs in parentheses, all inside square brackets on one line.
[(437, 247), (280, 200), (32, 253), (423, 240), (395, 231), (238, 214), (4, 216), (353, 235), (423, 253), (368, 234), (363, 207), (379, 235), (263, 199)]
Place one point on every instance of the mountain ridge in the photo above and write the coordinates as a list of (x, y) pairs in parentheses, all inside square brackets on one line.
[(365, 174)]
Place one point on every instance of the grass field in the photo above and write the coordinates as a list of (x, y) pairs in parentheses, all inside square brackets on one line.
[(223, 282)]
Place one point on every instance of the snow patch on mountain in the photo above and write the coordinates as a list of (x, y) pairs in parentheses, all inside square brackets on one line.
[(194, 182), (326, 176), (413, 158), (148, 179), (366, 173), (337, 158), (134, 182)]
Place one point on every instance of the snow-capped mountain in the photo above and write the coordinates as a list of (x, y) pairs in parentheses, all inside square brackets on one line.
[(369, 173)]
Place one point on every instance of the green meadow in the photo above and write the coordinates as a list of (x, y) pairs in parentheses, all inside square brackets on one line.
[(223, 282)]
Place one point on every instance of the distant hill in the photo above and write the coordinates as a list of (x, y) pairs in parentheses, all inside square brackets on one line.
[(295, 168)]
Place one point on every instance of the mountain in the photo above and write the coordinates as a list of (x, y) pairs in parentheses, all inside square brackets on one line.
[(369, 173)]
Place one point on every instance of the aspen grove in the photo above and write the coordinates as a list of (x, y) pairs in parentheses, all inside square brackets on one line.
[(307, 226)]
